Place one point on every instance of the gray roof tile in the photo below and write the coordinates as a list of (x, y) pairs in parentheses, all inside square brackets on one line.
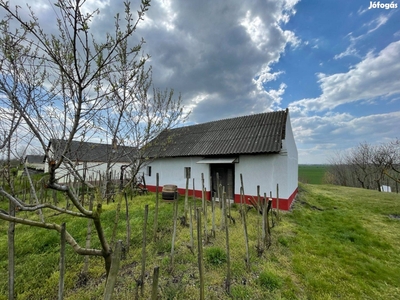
[(94, 152), (259, 133)]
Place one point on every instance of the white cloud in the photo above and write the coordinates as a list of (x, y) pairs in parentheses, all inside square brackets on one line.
[(377, 22), (319, 137), (224, 51), (375, 76), (206, 48), (350, 51), (372, 26)]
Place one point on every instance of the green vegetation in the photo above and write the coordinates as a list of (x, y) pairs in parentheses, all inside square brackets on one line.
[(312, 174), (215, 255), (335, 243), (269, 280)]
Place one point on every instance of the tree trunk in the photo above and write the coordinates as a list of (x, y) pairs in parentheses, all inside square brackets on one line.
[(62, 263), (106, 250)]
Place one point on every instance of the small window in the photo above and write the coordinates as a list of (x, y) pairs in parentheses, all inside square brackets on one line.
[(149, 171), (187, 172)]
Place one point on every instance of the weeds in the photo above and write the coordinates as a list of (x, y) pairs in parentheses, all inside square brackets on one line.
[(215, 256)]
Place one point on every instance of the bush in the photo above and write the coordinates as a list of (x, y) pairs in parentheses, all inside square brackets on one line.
[(215, 256), (269, 280)]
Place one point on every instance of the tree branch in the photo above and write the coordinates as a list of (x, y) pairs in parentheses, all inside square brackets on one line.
[(68, 237)]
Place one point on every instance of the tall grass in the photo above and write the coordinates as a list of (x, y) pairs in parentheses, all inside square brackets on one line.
[(336, 242)]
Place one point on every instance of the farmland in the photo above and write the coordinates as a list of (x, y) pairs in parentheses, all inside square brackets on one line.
[(312, 174)]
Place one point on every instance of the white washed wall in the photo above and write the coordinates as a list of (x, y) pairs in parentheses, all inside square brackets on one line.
[(292, 157), (265, 170), (171, 171), (259, 170), (93, 170)]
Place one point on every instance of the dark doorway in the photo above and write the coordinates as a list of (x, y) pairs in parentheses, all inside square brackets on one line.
[(226, 173)]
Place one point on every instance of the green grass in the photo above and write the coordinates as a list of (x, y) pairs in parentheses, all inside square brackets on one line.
[(312, 174), (335, 243)]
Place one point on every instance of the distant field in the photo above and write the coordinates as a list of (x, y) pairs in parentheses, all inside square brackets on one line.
[(312, 174)]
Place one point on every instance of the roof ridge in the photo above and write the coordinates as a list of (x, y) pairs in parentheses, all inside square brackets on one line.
[(231, 118)]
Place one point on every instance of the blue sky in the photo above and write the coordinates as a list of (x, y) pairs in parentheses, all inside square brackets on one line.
[(334, 63)]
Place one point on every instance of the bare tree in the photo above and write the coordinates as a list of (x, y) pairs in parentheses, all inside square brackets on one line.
[(338, 169), (80, 87), (387, 161), (366, 166), (16, 81)]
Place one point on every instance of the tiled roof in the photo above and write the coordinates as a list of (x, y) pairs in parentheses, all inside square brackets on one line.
[(94, 152), (259, 133)]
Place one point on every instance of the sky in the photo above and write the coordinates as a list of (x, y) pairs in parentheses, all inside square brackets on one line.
[(334, 63)]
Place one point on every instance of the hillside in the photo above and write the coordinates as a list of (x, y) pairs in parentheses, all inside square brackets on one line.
[(336, 242)]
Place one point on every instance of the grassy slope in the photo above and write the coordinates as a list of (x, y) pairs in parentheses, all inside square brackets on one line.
[(336, 243)]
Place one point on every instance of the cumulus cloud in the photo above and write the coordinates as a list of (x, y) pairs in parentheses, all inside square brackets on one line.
[(219, 55), (319, 137), (216, 54), (375, 76)]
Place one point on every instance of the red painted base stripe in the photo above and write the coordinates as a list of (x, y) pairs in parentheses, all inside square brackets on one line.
[(284, 204)]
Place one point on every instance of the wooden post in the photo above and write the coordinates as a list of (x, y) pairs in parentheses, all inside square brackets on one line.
[(88, 237), (258, 199), (128, 224), (219, 195), (228, 204), (270, 207), (241, 194), (213, 213), (223, 210), (154, 292), (116, 220), (268, 204), (62, 263), (228, 258), (246, 238), (264, 222), (112, 276), (205, 221), (202, 193), (200, 254), (186, 197), (146, 214), (156, 211), (191, 244), (277, 202), (194, 197), (174, 233)]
